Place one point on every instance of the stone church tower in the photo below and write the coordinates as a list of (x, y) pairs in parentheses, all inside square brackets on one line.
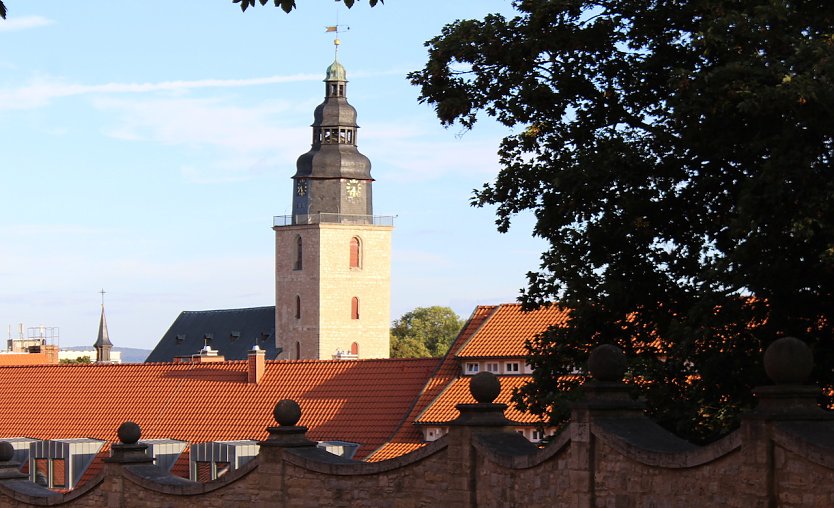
[(332, 255)]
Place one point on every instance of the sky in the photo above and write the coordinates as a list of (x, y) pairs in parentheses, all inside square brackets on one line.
[(146, 146)]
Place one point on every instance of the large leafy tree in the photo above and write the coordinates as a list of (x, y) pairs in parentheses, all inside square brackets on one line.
[(678, 158), (424, 332)]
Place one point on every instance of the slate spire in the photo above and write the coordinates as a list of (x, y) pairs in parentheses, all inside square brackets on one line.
[(103, 344)]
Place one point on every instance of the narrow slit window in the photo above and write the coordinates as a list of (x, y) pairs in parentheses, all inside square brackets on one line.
[(298, 251), (297, 307), (355, 253), (354, 308)]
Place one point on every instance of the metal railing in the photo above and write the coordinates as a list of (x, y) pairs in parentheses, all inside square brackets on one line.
[(333, 218)]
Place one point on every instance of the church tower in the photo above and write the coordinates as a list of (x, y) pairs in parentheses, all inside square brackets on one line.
[(103, 344), (332, 255)]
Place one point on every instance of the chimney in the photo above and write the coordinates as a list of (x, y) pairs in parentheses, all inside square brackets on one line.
[(257, 364)]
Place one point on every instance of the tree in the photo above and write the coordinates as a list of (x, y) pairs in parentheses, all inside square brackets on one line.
[(80, 359), (423, 332), (289, 5), (678, 159)]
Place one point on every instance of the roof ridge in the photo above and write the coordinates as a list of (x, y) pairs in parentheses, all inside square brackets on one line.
[(217, 311)]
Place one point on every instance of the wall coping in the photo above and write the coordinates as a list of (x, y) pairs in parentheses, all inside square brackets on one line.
[(31, 493), (813, 441), (152, 477), (298, 457)]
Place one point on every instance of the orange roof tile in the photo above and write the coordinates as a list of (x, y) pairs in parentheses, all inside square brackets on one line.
[(26, 359), (360, 401), (506, 330), (443, 409), (408, 437)]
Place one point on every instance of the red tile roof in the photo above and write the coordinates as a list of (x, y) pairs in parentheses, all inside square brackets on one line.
[(504, 333), (360, 401), (27, 359), (409, 438), (443, 410)]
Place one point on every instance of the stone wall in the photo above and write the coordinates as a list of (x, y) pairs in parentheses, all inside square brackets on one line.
[(609, 455)]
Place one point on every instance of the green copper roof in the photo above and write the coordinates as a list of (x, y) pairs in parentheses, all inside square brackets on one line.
[(335, 72)]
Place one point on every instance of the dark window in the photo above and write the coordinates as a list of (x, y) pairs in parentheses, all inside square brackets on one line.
[(203, 471), (355, 252), (354, 308), (297, 307), (59, 473), (298, 351), (298, 252), (42, 472), (222, 468)]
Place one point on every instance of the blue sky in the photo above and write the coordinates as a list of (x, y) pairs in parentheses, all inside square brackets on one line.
[(146, 147)]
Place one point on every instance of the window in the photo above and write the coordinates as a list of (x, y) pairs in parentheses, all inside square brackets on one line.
[(59, 473), (472, 368), (203, 471), (222, 468), (42, 472), (355, 253), (492, 367), (297, 307), (298, 351), (538, 435), (511, 368), (298, 251), (354, 349), (354, 308)]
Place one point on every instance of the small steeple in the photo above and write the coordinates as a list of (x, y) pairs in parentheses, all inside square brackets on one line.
[(103, 344)]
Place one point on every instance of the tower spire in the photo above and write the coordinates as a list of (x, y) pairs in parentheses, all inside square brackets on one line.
[(103, 344)]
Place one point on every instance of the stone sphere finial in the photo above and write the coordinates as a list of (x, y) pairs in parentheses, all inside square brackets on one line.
[(129, 433), (6, 451), (287, 412), (607, 363), (788, 361), (485, 387)]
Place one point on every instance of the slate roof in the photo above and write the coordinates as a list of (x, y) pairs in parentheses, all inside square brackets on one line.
[(361, 401), (231, 332)]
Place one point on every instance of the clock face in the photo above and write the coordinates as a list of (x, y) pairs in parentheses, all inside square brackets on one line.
[(353, 189), (301, 187)]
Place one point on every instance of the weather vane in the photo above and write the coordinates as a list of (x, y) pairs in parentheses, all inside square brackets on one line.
[(337, 29)]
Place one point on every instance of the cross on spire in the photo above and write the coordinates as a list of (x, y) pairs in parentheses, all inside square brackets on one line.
[(102, 296)]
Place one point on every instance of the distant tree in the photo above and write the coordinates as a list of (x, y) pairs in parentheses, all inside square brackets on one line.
[(679, 159), (2, 10), (80, 359), (423, 332)]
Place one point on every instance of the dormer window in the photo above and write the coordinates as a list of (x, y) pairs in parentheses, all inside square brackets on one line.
[(511, 368), (472, 368)]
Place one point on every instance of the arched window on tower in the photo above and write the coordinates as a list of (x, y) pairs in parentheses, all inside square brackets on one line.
[(297, 265), (354, 308), (298, 351), (297, 307), (354, 349), (355, 253)]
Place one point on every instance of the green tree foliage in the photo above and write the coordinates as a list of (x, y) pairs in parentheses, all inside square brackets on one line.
[(80, 359), (678, 159), (424, 332)]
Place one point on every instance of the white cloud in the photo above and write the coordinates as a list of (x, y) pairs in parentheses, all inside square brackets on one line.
[(24, 23), (42, 90)]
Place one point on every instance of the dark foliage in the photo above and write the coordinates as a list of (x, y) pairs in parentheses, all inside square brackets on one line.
[(289, 5), (678, 158)]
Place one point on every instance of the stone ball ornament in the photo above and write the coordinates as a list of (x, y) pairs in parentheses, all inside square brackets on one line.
[(788, 361), (287, 412), (129, 433), (485, 387), (6, 451), (607, 363)]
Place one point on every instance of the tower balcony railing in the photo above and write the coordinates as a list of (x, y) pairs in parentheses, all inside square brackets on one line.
[(333, 218)]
